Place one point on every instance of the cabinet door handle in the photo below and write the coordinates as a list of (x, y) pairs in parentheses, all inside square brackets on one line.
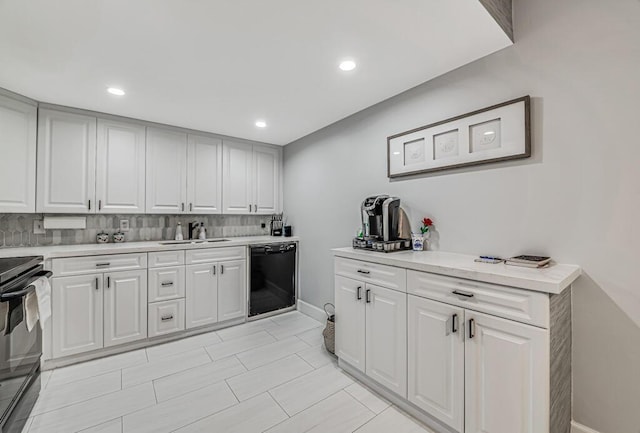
[(255, 208), (454, 323), (89, 204), (222, 269), (367, 295), (97, 287), (190, 207), (472, 328), (214, 269), (461, 293), (360, 271), (359, 293), (99, 204), (108, 282), (165, 318), (182, 207), (249, 208), (167, 284)]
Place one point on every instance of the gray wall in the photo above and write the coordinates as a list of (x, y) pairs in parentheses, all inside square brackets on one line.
[(577, 199)]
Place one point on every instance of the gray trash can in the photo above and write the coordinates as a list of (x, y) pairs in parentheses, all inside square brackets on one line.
[(329, 332)]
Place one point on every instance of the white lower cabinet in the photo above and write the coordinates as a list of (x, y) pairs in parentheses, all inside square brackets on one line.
[(350, 329), (506, 376), (232, 290), (98, 310), (436, 359), (201, 295), (125, 307), (371, 327), (166, 317), (467, 370), (76, 309)]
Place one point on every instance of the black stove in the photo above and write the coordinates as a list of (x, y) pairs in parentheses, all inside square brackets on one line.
[(20, 348), (11, 267)]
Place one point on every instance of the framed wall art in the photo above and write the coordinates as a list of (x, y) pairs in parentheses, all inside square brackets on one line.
[(497, 133)]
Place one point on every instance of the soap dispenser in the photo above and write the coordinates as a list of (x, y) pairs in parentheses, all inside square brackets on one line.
[(179, 232), (202, 233)]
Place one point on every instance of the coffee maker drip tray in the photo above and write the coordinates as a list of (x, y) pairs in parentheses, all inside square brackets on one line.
[(382, 246)]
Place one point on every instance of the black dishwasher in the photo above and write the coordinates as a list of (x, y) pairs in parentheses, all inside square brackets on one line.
[(273, 277)]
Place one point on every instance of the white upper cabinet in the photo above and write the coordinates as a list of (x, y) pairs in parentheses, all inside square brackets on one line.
[(251, 178), (204, 175), (166, 171), (120, 176), (66, 162), (266, 181), (18, 128), (237, 175)]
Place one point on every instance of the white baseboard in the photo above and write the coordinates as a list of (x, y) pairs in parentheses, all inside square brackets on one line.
[(312, 311), (579, 428)]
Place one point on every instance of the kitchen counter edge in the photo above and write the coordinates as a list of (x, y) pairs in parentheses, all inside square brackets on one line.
[(553, 279), (83, 250)]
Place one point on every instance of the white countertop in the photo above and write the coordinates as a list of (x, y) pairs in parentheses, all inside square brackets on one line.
[(57, 251), (553, 279)]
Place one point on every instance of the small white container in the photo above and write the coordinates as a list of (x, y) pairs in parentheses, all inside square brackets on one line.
[(179, 236), (417, 241)]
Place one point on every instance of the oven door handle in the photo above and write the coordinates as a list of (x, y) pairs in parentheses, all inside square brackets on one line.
[(20, 293)]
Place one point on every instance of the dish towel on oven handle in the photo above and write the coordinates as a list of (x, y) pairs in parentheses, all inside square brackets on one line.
[(37, 304)]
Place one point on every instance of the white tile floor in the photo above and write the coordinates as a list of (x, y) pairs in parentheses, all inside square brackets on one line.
[(271, 375)]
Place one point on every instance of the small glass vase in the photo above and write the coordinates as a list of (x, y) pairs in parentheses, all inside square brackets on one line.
[(417, 241)]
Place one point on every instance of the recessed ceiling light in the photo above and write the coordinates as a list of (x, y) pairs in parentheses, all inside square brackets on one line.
[(261, 124), (116, 91), (347, 65)]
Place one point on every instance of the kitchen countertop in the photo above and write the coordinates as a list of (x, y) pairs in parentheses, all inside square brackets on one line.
[(553, 279), (56, 251)]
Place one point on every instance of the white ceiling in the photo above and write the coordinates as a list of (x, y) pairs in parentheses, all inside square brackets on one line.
[(219, 65)]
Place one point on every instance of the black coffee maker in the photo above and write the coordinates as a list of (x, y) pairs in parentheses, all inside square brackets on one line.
[(381, 218)]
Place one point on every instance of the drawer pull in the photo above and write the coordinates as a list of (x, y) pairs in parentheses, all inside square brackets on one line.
[(472, 328), (368, 296), (461, 293), (99, 265), (167, 284), (165, 318), (359, 293), (454, 323), (360, 271)]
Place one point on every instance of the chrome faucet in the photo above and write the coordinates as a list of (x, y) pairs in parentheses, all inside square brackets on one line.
[(193, 226)]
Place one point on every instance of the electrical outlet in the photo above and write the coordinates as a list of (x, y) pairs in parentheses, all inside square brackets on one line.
[(124, 225), (38, 227), (263, 225)]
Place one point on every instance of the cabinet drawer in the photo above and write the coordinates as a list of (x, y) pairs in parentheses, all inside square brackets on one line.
[(210, 255), (92, 264), (166, 283), (166, 258), (381, 275), (166, 317), (508, 302)]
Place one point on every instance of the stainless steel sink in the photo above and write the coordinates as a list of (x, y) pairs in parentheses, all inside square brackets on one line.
[(193, 241)]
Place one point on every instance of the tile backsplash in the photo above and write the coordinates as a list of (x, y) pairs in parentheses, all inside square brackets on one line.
[(16, 230)]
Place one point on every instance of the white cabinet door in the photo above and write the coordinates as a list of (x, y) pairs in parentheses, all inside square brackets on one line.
[(66, 163), (237, 175), (266, 182), (507, 376), (204, 182), (350, 321), (232, 290), (436, 359), (120, 172), (76, 314), (125, 307), (166, 171), (18, 128), (386, 338), (201, 295)]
